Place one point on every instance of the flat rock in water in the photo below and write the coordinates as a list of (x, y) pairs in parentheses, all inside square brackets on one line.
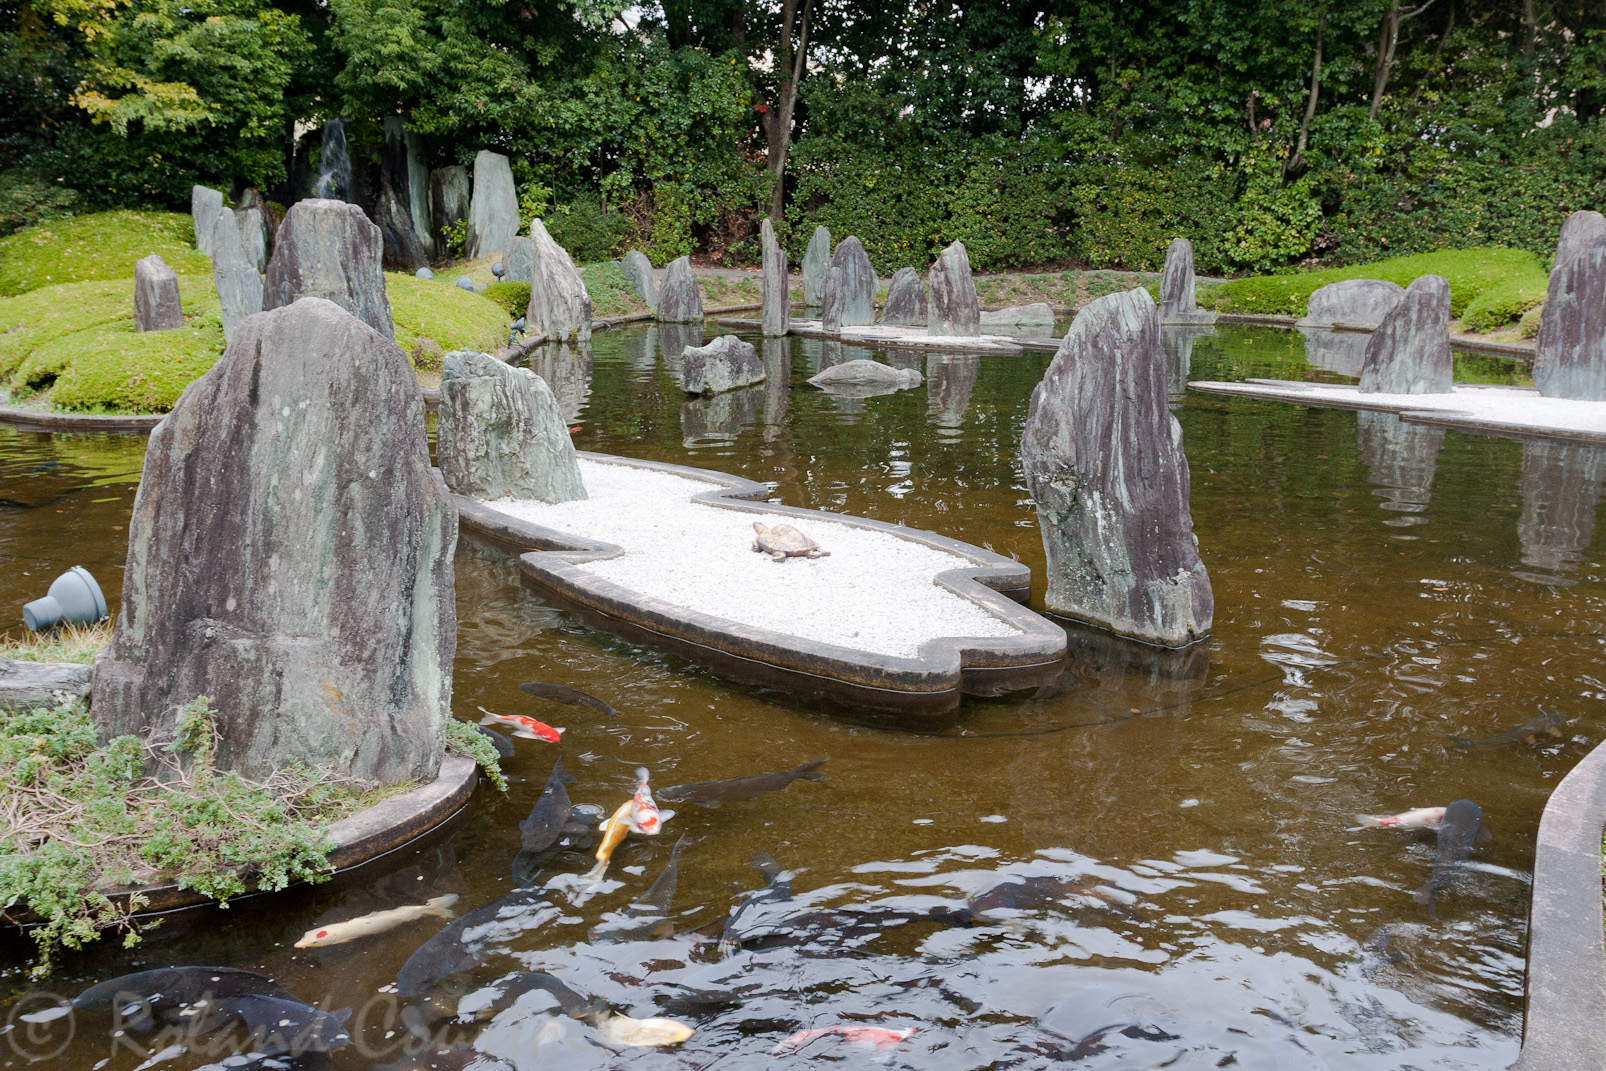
[(854, 289), (502, 434), (234, 275), (560, 307), (290, 556), (1409, 353), (518, 260), (952, 307), (205, 203), (906, 300), (27, 684), (1104, 462), (835, 296), (638, 272), (816, 261), (724, 364), (1570, 358), (1039, 314), (493, 209), (1362, 302), (448, 202), (865, 379), (777, 307), (403, 251), (679, 300), (156, 301), (1178, 303), (329, 249)]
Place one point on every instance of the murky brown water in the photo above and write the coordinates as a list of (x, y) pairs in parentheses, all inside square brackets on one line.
[(1379, 587)]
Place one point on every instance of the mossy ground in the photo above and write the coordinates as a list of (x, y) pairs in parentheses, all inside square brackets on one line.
[(102, 245), (433, 317)]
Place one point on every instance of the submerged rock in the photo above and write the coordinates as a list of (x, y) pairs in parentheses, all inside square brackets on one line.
[(906, 300), (1104, 462), (816, 261), (1570, 357), (290, 556), (502, 433), (952, 307), (560, 308), (638, 272), (851, 284), (239, 287), (724, 364), (205, 204), (1178, 303), (865, 379), (493, 209), (1362, 302), (156, 301), (679, 299), (1038, 315), (777, 302), (1409, 353), (328, 249)]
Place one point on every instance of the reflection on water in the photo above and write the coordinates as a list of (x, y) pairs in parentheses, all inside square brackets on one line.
[(567, 369), (1176, 343), (950, 377), (1561, 486), (720, 417), (1343, 352), (1402, 458)]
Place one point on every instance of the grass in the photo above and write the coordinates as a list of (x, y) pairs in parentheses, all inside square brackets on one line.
[(72, 643), (610, 291), (99, 246), (723, 290), (433, 317), (1069, 289)]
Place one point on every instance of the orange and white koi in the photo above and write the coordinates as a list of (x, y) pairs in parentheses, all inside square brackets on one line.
[(523, 728), (1421, 818), (336, 933), (638, 814), (877, 1037)]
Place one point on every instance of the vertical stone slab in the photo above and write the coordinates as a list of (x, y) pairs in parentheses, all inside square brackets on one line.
[(1578, 232), (560, 307), (501, 433), (448, 203), (518, 259), (403, 251), (493, 210), (857, 286), (776, 313), (952, 307), (290, 556), (329, 249), (156, 300), (906, 300), (816, 261), (1570, 358), (251, 216), (1104, 462), (239, 286), (1409, 353), (205, 203), (679, 299), (1178, 303), (834, 297), (638, 271), (404, 170)]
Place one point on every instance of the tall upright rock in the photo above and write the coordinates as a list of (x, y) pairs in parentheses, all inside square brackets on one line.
[(816, 262), (1578, 232), (518, 259), (448, 203), (834, 297), (1409, 353), (205, 204), (777, 312), (855, 283), (290, 557), (405, 172), (1570, 359), (560, 308), (501, 433), (156, 301), (493, 210), (329, 249), (1178, 303), (251, 215), (679, 299), (952, 307), (234, 275), (906, 300), (403, 251), (638, 272), (1104, 462)]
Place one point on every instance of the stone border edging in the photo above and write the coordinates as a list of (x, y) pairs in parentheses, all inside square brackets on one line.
[(48, 421), (928, 683), (1564, 1023)]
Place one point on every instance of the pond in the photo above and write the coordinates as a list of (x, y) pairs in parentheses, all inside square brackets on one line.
[(1380, 590)]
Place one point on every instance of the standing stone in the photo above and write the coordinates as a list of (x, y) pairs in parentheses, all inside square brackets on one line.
[(724, 364), (1409, 353), (402, 250), (290, 556), (156, 302), (835, 293), (1361, 302), (518, 259), (679, 300), (205, 203), (1178, 305), (952, 308), (777, 303), (816, 261), (239, 286), (329, 249), (403, 168), (906, 300), (1570, 358), (638, 272), (560, 308), (1104, 462), (493, 210), (251, 217), (855, 287), (501, 433), (448, 203), (1578, 232)]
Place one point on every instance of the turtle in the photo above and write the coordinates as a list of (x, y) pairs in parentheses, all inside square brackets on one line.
[(782, 541)]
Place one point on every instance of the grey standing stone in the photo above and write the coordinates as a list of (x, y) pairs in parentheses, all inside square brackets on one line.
[(1178, 303), (1104, 462), (156, 302), (402, 250), (1570, 357), (560, 307), (679, 300), (31, 684), (290, 556), (1362, 302), (816, 261), (835, 291), (448, 203), (205, 203), (777, 308), (724, 364), (1409, 353), (502, 434), (239, 286), (1578, 232), (952, 307), (518, 260), (493, 210), (906, 300), (404, 169), (251, 217), (851, 283), (638, 272), (329, 249), (1038, 316)]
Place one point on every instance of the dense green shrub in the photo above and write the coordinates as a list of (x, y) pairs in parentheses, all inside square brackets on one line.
[(25, 201), (1127, 213), (589, 230), (514, 297)]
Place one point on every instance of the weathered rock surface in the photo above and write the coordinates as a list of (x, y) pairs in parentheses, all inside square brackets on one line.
[(27, 684), (1578, 232), (638, 271), (402, 249), (518, 260), (502, 434), (679, 300), (1409, 353), (329, 249), (448, 202), (1038, 315), (906, 300), (1104, 462), (290, 556), (952, 307), (777, 307), (560, 308), (234, 275), (1178, 303), (854, 288), (251, 216), (1570, 358), (1362, 302), (816, 262), (864, 379), (493, 210), (404, 170), (205, 203), (835, 296), (724, 364), (156, 301)]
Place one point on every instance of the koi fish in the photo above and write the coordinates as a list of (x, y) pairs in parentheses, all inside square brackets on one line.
[(1462, 828), (524, 728), (638, 814), (641, 1033), (337, 933), (1421, 818), (877, 1037), (613, 830), (1549, 723)]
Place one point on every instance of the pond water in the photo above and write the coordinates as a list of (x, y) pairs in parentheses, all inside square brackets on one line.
[(1380, 588)]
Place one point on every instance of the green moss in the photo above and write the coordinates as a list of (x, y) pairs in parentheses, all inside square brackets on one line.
[(610, 291), (103, 245), (433, 317), (513, 297), (1528, 326)]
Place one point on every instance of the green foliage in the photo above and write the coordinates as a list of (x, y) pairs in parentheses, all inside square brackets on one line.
[(513, 297), (26, 201), (1128, 214), (671, 236), (611, 294), (456, 238), (463, 738), (102, 245), (588, 232), (434, 317)]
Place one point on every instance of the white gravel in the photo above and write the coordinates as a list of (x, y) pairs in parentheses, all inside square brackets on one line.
[(875, 593)]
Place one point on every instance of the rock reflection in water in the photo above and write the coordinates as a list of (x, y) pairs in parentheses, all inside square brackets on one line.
[(1561, 486), (1402, 458), (720, 418), (567, 368), (506, 615), (1343, 352), (950, 378), (1176, 342), (641, 351), (673, 339), (777, 355)]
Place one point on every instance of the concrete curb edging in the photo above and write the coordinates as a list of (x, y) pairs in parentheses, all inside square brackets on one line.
[(930, 683), (47, 421)]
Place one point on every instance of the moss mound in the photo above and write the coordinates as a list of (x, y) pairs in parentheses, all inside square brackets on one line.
[(103, 245), (513, 297), (434, 317)]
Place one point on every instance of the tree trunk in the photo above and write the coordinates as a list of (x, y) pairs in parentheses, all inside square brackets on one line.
[(789, 66), (1387, 41), (1530, 27), (1298, 159)]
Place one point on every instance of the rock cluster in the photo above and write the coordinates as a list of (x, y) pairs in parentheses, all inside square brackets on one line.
[(850, 286), (1570, 358), (1361, 302), (952, 307), (906, 300), (493, 210), (234, 275), (156, 301), (776, 315), (205, 203), (501, 433), (638, 272), (1409, 353), (329, 249), (560, 307), (679, 299), (724, 364), (816, 262), (1178, 303)]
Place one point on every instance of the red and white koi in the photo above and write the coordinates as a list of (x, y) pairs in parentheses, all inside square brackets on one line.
[(524, 728), (1421, 818), (876, 1037), (638, 814)]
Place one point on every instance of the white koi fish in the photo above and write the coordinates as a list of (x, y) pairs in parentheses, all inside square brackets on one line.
[(1421, 818), (336, 933)]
